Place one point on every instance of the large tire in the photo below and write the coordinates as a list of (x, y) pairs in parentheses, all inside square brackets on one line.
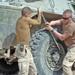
[(40, 44)]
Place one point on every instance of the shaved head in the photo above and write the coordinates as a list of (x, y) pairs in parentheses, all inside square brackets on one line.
[(68, 13), (26, 10)]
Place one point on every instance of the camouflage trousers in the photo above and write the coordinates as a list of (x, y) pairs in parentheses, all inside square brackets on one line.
[(69, 60), (26, 63)]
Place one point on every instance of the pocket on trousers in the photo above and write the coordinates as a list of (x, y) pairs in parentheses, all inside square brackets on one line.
[(25, 67)]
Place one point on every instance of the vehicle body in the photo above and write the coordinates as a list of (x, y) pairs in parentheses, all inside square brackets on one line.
[(43, 47)]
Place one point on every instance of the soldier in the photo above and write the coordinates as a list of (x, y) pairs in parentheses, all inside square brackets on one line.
[(68, 36), (23, 51)]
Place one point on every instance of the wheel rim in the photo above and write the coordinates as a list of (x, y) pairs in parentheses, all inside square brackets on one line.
[(54, 57)]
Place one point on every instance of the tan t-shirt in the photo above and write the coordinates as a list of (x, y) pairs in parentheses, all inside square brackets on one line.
[(69, 29), (23, 28)]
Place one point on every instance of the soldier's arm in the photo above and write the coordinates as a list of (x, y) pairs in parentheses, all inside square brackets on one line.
[(56, 22), (35, 21)]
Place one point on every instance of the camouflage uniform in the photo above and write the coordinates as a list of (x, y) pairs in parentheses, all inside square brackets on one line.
[(70, 43), (25, 59), (69, 60)]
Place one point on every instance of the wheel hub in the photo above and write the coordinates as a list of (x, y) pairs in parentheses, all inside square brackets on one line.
[(54, 57)]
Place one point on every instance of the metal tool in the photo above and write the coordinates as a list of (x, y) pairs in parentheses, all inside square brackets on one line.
[(51, 33)]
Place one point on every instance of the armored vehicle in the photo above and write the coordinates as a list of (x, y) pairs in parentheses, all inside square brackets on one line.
[(48, 58)]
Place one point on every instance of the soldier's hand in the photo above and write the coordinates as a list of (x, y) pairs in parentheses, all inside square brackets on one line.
[(47, 23), (40, 10), (48, 27)]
